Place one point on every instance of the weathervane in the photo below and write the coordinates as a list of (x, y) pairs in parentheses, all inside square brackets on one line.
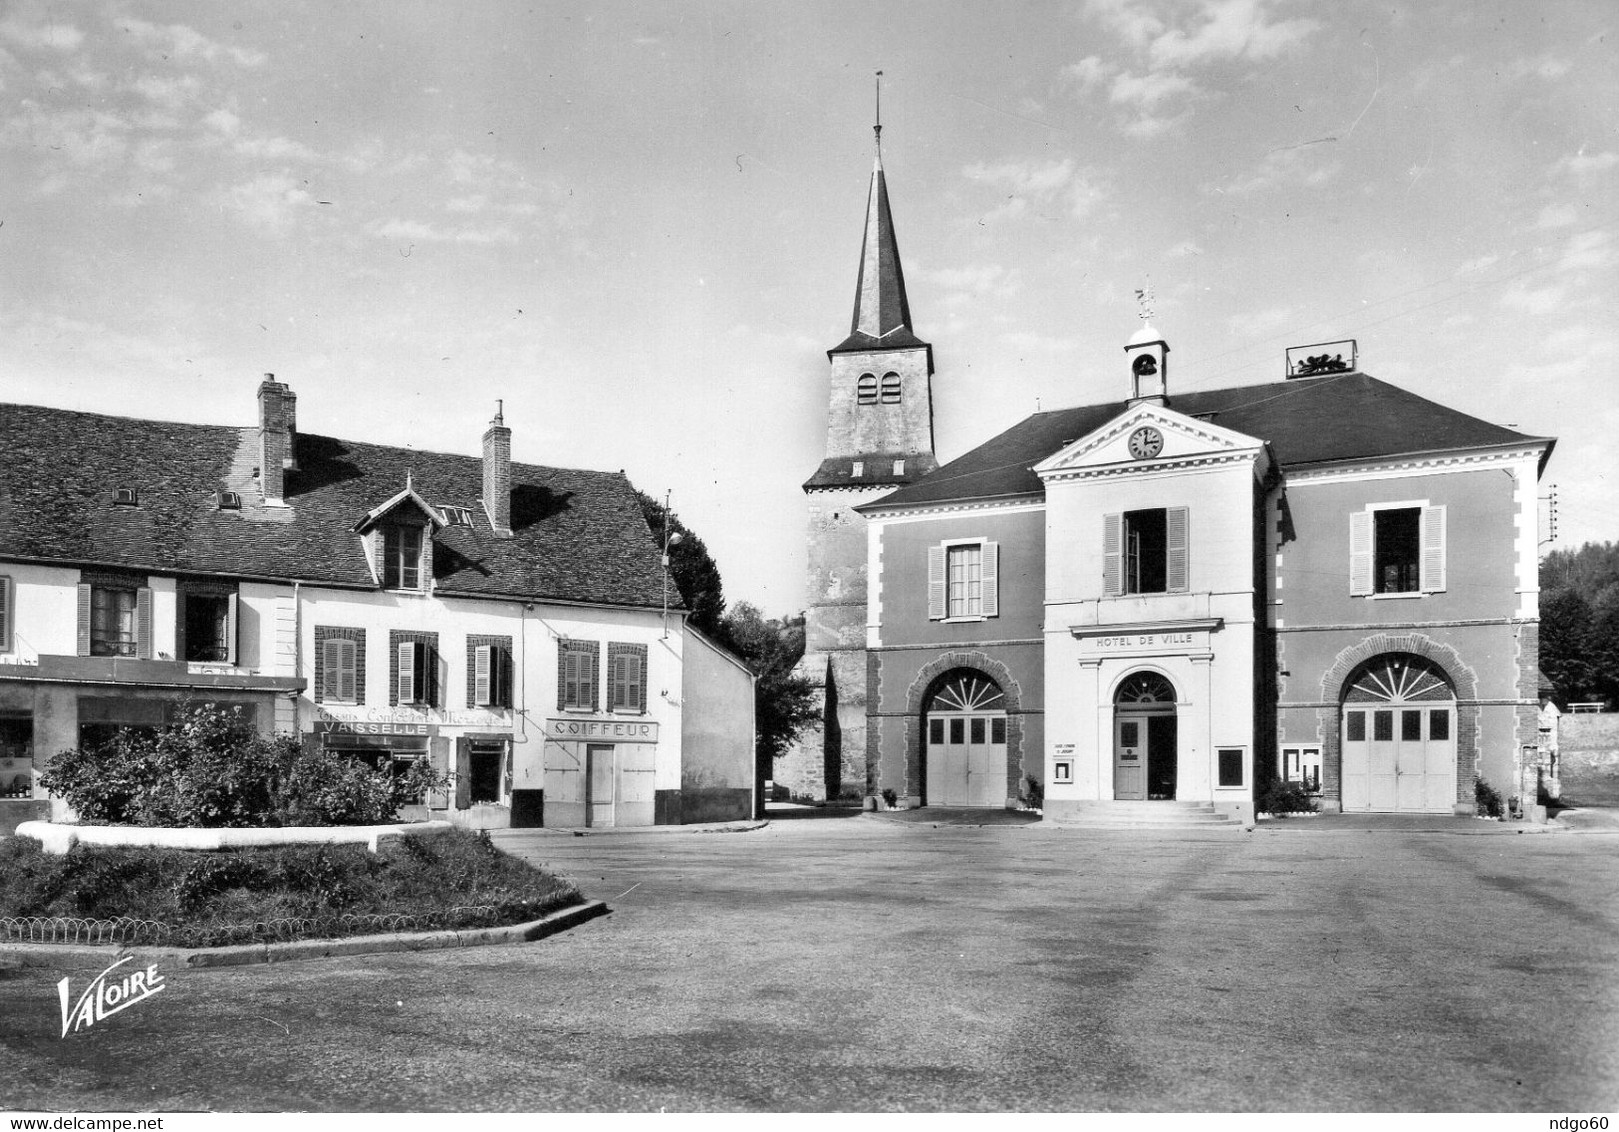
[(879, 127), (1144, 302)]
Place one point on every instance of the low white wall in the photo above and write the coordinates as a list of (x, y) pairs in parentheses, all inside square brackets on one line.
[(58, 839)]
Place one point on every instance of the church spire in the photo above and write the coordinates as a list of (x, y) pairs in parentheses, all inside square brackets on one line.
[(880, 306)]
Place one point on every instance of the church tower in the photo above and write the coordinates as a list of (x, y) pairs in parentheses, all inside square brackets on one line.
[(879, 435)]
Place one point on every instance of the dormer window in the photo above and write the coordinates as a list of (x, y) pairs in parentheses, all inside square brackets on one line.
[(230, 501), (899, 467), (858, 469), (456, 516), (402, 558), (125, 497)]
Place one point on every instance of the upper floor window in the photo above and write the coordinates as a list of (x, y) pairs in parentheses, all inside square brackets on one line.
[(402, 558), (5, 614), (866, 389), (115, 618), (207, 624), (489, 671), (339, 665), (627, 677), (415, 667), (1398, 549), (963, 580), (1145, 552), (891, 389), (576, 675)]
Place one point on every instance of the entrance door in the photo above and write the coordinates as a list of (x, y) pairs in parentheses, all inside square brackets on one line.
[(966, 742), (599, 781), (1130, 758), (1399, 746)]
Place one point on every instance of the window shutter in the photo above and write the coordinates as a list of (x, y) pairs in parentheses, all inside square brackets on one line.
[(1113, 555), (5, 614), (327, 685), (500, 677), (483, 675), (348, 670), (936, 586), (1433, 550), (637, 666), (587, 667), (426, 673), (618, 668), (991, 579), (1360, 553), (1178, 577), (84, 619), (230, 629), (143, 623), (406, 688)]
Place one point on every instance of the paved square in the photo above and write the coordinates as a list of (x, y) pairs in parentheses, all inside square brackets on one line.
[(851, 963)]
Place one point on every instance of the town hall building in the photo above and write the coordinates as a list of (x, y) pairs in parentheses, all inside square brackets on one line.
[(1168, 596)]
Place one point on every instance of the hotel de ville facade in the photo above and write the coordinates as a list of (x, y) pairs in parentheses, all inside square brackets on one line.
[(1169, 596)]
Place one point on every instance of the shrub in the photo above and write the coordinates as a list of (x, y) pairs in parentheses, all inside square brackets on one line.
[(890, 797), (1282, 798), (211, 768), (1488, 799), (1033, 792)]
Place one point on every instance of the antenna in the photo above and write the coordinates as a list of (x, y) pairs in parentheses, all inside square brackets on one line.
[(879, 127)]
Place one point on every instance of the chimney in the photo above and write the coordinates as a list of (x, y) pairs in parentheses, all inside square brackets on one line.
[(497, 473), (277, 413)]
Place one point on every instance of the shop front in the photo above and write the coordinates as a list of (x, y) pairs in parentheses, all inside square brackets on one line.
[(600, 772)]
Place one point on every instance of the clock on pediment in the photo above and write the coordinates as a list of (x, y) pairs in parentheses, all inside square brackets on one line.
[(1146, 442)]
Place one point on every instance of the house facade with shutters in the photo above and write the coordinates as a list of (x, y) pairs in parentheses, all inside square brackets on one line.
[(503, 620), (1180, 596)]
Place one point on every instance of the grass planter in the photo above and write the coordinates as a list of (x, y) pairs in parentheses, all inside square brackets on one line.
[(453, 880)]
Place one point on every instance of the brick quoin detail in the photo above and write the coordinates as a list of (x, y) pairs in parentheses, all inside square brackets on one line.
[(1462, 679), (930, 672)]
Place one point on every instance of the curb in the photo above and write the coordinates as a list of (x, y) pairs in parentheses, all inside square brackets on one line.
[(497, 835), (73, 956)]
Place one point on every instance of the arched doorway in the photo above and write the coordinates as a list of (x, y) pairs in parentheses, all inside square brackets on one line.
[(1399, 737), (964, 720), (1145, 738)]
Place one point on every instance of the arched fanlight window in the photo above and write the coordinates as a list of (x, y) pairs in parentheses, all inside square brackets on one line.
[(1145, 688), (867, 389), (1398, 677), (891, 388), (966, 690)]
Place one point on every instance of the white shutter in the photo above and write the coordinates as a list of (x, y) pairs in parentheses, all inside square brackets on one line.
[(84, 618), (587, 669), (348, 670), (936, 586), (1360, 553), (230, 629), (328, 670), (637, 666), (1112, 555), (5, 614), (143, 623), (483, 676), (991, 578), (1433, 550), (406, 689), (1178, 575)]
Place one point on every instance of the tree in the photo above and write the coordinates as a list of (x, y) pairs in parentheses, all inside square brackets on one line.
[(783, 702), (692, 568), (1579, 622)]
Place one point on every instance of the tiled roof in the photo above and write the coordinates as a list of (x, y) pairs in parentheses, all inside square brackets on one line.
[(577, 535), (877, 470), (1306, 421)]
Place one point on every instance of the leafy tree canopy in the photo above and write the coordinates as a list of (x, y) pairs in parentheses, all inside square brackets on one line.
[(1579, 623), (691, 567), (783, 702)]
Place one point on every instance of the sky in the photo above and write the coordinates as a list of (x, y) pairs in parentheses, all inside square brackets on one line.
[(638, 224)]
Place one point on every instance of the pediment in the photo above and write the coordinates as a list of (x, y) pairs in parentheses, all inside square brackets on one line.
[(404, 502), (1183, 439)]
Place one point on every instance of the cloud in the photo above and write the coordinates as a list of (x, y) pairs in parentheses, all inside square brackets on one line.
[(224, 121), (1023, 183), (1304, 166), (1557, 216), (275, 149), (1183, 249), (180, 42), (1538, 66), (1130, 20), (37, 37), (1587, 251), (172, 93), (1534, 300), (1086, 75), (269, 203), (1229, 29), (1582, 163), (1145, 92), (415, 231)]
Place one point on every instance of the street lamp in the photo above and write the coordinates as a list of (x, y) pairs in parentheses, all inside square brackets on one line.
[(670, 538)]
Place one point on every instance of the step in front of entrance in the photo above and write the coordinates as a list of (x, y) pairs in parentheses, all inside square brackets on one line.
[(1144, 815)]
